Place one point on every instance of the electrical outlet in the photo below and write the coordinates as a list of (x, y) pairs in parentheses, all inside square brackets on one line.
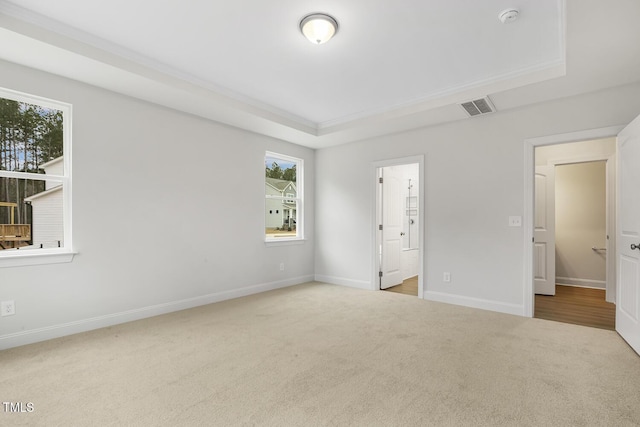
[(446, 277), (7, 308), (282, 266)]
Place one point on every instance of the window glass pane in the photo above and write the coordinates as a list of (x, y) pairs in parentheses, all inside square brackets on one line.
[(281, 169), (281, 218), (31, 136), (31, 214), (283, 200)]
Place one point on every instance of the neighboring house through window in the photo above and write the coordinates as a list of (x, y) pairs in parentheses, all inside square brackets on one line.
[(47, 209), (283, 197), (35, 176)]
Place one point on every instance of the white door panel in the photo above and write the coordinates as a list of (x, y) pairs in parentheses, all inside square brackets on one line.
[(391, 228), (628, 242), (544, 250)]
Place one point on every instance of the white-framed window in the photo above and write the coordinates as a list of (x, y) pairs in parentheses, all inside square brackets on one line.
[(283, 197), (35, 179)]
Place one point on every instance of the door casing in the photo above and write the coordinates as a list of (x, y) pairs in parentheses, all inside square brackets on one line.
[(529, 214)]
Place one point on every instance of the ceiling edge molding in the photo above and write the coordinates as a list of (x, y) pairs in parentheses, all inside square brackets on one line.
[(56, 34), (112, 67), (460, 94)]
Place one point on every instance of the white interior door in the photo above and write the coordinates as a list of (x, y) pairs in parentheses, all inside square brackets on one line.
[(628, 242), (544, 246), (391, 228)]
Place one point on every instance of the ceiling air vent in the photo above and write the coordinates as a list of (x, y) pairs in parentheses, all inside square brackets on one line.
[(478, 106)]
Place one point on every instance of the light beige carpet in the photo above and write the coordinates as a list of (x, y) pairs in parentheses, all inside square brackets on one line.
[(319, 354)]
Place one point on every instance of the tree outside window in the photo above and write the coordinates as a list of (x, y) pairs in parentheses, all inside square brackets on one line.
[(34, 177)]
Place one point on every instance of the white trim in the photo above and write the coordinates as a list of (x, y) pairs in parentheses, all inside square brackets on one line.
[(457, 93), (24, 257), (299, 188), (291, 159), (375, 264), (63, 36), (55, 331), (351, 283), (612, 224), (581, 283), (32, 176), (529, 167), (63, 254), (579, 136), (483, 304), (33, 99), (573, 160), (284, 241)]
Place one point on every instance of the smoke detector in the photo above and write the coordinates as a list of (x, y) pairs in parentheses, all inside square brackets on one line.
[(508, 15)]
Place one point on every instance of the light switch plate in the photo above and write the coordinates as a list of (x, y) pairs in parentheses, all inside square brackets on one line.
[(515, 221)]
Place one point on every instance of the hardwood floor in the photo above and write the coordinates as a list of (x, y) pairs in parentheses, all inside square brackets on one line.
[(571, 304), (408, 287), (580, 306)]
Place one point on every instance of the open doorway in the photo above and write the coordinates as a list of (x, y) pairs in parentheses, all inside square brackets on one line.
[(622, 246), (574, 229), (399, 226)]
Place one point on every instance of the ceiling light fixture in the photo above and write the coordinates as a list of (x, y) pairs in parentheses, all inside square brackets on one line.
[(318, 27)]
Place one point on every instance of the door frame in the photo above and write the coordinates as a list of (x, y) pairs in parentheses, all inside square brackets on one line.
[(529, 214), (375, 235)]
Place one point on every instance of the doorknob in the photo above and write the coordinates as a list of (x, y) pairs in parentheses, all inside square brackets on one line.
[(634, 246), (402, 233)]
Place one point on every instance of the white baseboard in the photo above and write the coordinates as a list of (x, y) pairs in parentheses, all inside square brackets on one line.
[(483, 304), (359, 284), (84, 325), (582, 283)]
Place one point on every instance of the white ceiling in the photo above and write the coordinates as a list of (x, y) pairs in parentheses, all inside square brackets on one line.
[(392, 65)]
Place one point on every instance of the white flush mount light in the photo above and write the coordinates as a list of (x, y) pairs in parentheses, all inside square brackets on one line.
[(318, 27), (508, 15)]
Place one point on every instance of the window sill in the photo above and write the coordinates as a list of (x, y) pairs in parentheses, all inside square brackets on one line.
[(16, 259), (284, 242)]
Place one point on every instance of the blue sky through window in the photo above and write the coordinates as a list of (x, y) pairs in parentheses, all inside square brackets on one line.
[(284, 164)]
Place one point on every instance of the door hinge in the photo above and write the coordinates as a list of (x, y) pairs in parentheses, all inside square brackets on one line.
[(379, 273), (380, 227), (380, 180)]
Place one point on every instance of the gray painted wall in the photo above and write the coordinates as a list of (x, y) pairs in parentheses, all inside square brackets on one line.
[(575, 151), (581, 223), (168, 212), (188, 241), (574, 265), (474, 181)]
